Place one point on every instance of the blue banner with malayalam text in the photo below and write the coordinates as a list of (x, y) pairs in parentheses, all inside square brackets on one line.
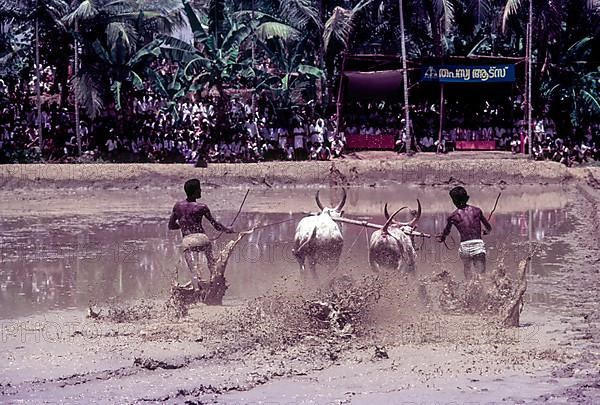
[(469, 74)]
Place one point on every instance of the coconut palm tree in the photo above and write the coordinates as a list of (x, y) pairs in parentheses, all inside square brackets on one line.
[(110, 33), (561, 50)]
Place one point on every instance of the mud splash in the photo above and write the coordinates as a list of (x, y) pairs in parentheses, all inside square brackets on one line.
[(344, 310)]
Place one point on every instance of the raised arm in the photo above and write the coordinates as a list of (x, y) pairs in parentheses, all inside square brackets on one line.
[(485, 222), (173, 225), (217, 225), (442, 237)]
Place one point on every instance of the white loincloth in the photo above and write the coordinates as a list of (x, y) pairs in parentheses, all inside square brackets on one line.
[(195, 241), (471, 248)]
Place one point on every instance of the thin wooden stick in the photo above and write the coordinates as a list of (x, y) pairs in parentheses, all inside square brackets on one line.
[(495, 206), (236, 215)]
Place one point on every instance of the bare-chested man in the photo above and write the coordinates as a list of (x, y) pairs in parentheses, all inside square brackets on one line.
[(468, 219), (187, 215)]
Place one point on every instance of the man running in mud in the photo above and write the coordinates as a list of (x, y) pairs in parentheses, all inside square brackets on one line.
[(467, 219), (187, 215)]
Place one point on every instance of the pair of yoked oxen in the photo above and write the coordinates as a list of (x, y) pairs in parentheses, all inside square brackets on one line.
[(319, 240)]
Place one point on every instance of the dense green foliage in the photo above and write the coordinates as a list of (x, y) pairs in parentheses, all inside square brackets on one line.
[(289, 48)]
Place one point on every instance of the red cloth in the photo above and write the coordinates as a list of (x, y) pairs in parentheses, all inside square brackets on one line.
[(370, 141), (475, 145)]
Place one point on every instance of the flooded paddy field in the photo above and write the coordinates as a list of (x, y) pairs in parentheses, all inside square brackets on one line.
[(62, 263), (62, 251)]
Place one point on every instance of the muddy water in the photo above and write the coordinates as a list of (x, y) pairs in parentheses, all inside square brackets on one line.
[(62, 263)]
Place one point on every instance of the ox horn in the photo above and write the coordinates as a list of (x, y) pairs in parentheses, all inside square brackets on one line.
[(385, 212), (390, 220), (318, 201), (416, 219), (342, 203)]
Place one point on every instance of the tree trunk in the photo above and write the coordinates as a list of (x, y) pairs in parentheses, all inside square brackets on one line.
[(322, 83), (76, 102), (253, 63), (38, 83), (529, 54), (407, 123)]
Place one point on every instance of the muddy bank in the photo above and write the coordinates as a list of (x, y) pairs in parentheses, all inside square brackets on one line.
[(358, 169)]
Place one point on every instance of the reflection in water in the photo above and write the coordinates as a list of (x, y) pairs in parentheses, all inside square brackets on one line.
[(64, 265)]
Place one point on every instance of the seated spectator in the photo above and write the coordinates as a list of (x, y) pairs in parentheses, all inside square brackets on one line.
[(337, 146), (515, 145), (427, 143)]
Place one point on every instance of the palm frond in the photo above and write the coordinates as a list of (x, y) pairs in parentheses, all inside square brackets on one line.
[(85, 11), (55, 9), (128, 32), (338, 26), (582, 45), (273, 29), (172, 15), (591, 100), (341, 24), (445, 11), (511, 8), (299, 13)]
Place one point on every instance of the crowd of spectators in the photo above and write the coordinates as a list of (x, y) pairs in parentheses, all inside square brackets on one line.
[(187, 132), (484, 122), (547, 145), (381, 118), (254, 131)]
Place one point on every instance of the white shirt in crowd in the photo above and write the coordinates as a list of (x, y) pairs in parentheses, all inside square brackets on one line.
[(111, 145), (298, 137), (427, 141)]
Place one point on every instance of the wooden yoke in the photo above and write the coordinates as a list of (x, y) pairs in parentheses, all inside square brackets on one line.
[(368, 224)]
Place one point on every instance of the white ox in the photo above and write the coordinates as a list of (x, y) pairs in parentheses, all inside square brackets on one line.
[(319, 238), (392, 245)]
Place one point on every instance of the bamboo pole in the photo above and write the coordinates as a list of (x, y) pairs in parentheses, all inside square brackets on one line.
[(366, 224), (253, 102), (407, 125), (529, 70)]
